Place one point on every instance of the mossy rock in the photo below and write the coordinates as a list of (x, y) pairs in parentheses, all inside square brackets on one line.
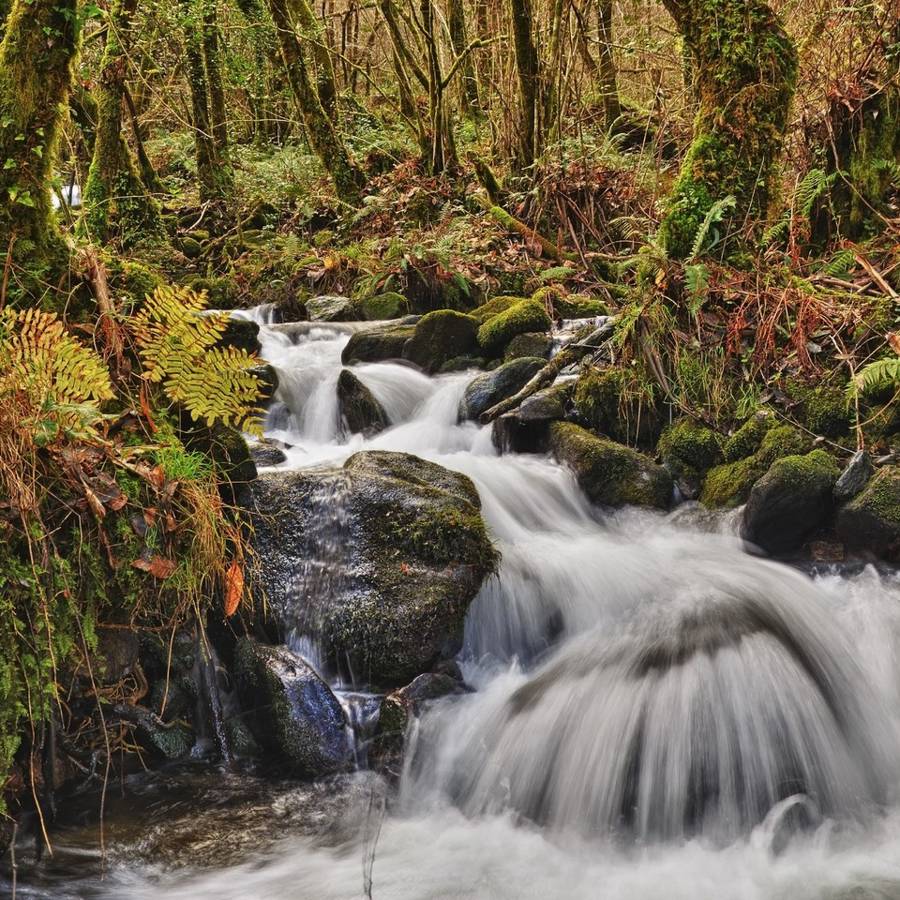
[(228, 450), (688, 450), (332, 308), (242, 334), (609, 402), (221, 293), (494, 307), (871, 521), (729, 485), (440, 336), (377, 344), (292, 712), (490, 388), (361, 413), (529, 344), (748, 438), (520, 318), (790, 502), (573, 306), (406, 536), (609, 473), (827, 412), (389, 305)]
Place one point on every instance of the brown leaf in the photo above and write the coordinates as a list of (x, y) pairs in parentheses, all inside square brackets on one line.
[(234, 588), (157, 566), (893, 338)]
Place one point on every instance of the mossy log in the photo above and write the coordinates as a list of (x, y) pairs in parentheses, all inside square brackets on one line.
[(745, 69)]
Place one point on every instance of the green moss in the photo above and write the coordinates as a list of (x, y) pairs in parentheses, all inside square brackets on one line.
[(729, 485), (536, 344), (870, 522), (747, 439), (499, 330), (572, 306), (494, 307), (827, 412), (610, 473), (617, 403), (687, 443), (440, 336), (807, 470), (389, 305)]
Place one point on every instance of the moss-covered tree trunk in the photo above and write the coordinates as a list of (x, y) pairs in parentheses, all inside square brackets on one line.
[(528, 71), (217, 111), (36, 54), (116, 201), (470, 102), (606, 73), (324, 139), (745, 75), (314, 37)]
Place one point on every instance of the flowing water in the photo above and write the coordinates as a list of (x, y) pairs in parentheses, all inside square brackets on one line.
[(658, 714)]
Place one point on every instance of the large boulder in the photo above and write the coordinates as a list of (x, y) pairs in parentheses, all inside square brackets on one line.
[(361, 413), (377, 344), (520, 318), (609, 473), (439, 337), (871, 521), (526, 429), (688, 450), (376, 561), (790, 502), (331, 308), (532, 343), (490, 388), (729, 485), (242, 334), (389, 305), (292, 712)]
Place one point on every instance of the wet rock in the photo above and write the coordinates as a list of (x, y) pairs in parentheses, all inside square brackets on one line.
[(688, 450), (492, 387), (377, 344), (292, 712), (870, 522), (360, 411), (331, 308), (527, 428), (528, 344), (398, 708), (267, 453), (790, 502), (439, 337), (242, 334), (854, 477), (228, 450), (610, 473), (729, 485), (267, 376), (389, 305), (170, 740), (522, 317), (379, 560), (461, 364)]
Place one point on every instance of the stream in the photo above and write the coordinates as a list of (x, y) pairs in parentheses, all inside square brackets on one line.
[(657, 714)]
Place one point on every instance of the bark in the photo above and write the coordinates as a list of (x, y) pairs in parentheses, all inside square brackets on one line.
[(116, 201), (528, 72), (606, 72), (325, 141), (217, 110), (36, 54), (313, 36), (459, 41), (746, 72)]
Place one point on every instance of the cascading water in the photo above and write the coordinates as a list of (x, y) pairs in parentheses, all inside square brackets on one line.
[(654, 707)]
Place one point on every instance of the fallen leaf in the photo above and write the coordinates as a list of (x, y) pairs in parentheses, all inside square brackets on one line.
[(157, 566), (893, 338), (234, 588)]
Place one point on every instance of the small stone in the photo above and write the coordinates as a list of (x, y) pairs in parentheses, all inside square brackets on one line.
[(854, 477)]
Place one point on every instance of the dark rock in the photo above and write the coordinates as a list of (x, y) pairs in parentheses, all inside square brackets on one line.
[(228, 450), (331, 308), (293, 714), (527, 428), (267, 453), (377, 344), (170, 740), (489, 389), (528, 344), (379, 560), (439, 337), (790, 502), (610, 473), (688, 450), (242, 334), (461, 364), (119, 650), (854, 477), (360, 411), (267, 376), (389, 305), (870, 522)]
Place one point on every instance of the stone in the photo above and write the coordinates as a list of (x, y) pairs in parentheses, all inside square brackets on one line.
[(377, 344), (441, 336), (331, 308), (520, 318), (855, 476), (490, 388), (389, 305), (361, 413), (534, 343), (870, 522)]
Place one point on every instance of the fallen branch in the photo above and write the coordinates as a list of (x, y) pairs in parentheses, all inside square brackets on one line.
[(510, 222)]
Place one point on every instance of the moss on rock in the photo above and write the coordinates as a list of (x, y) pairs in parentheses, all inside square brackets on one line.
[(440, 336), (494, 307), (610, 473), (747, 439), (611, 402), (389, 305), (520, 318), (871, 521), (827, 412)]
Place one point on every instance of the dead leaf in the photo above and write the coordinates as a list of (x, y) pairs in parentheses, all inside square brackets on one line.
[(893, 338), (157, 566), (234, 588)]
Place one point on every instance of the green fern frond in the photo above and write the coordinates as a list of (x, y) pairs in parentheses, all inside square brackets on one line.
[(707, 234), (696, 283), (881, 374), (840, 265)]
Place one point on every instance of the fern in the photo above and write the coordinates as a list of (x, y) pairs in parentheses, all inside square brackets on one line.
[(177, 344), (881, 374), (696, 282), (814, 184), (840, 265), (61, 381), (707, 234)]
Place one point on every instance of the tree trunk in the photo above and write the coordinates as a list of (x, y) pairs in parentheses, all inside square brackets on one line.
[(325, 141), (116, 201), (746, 72), (607, 74), (528, 71), (312, 33), (217, 111), (39, 44), (469, 101)]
